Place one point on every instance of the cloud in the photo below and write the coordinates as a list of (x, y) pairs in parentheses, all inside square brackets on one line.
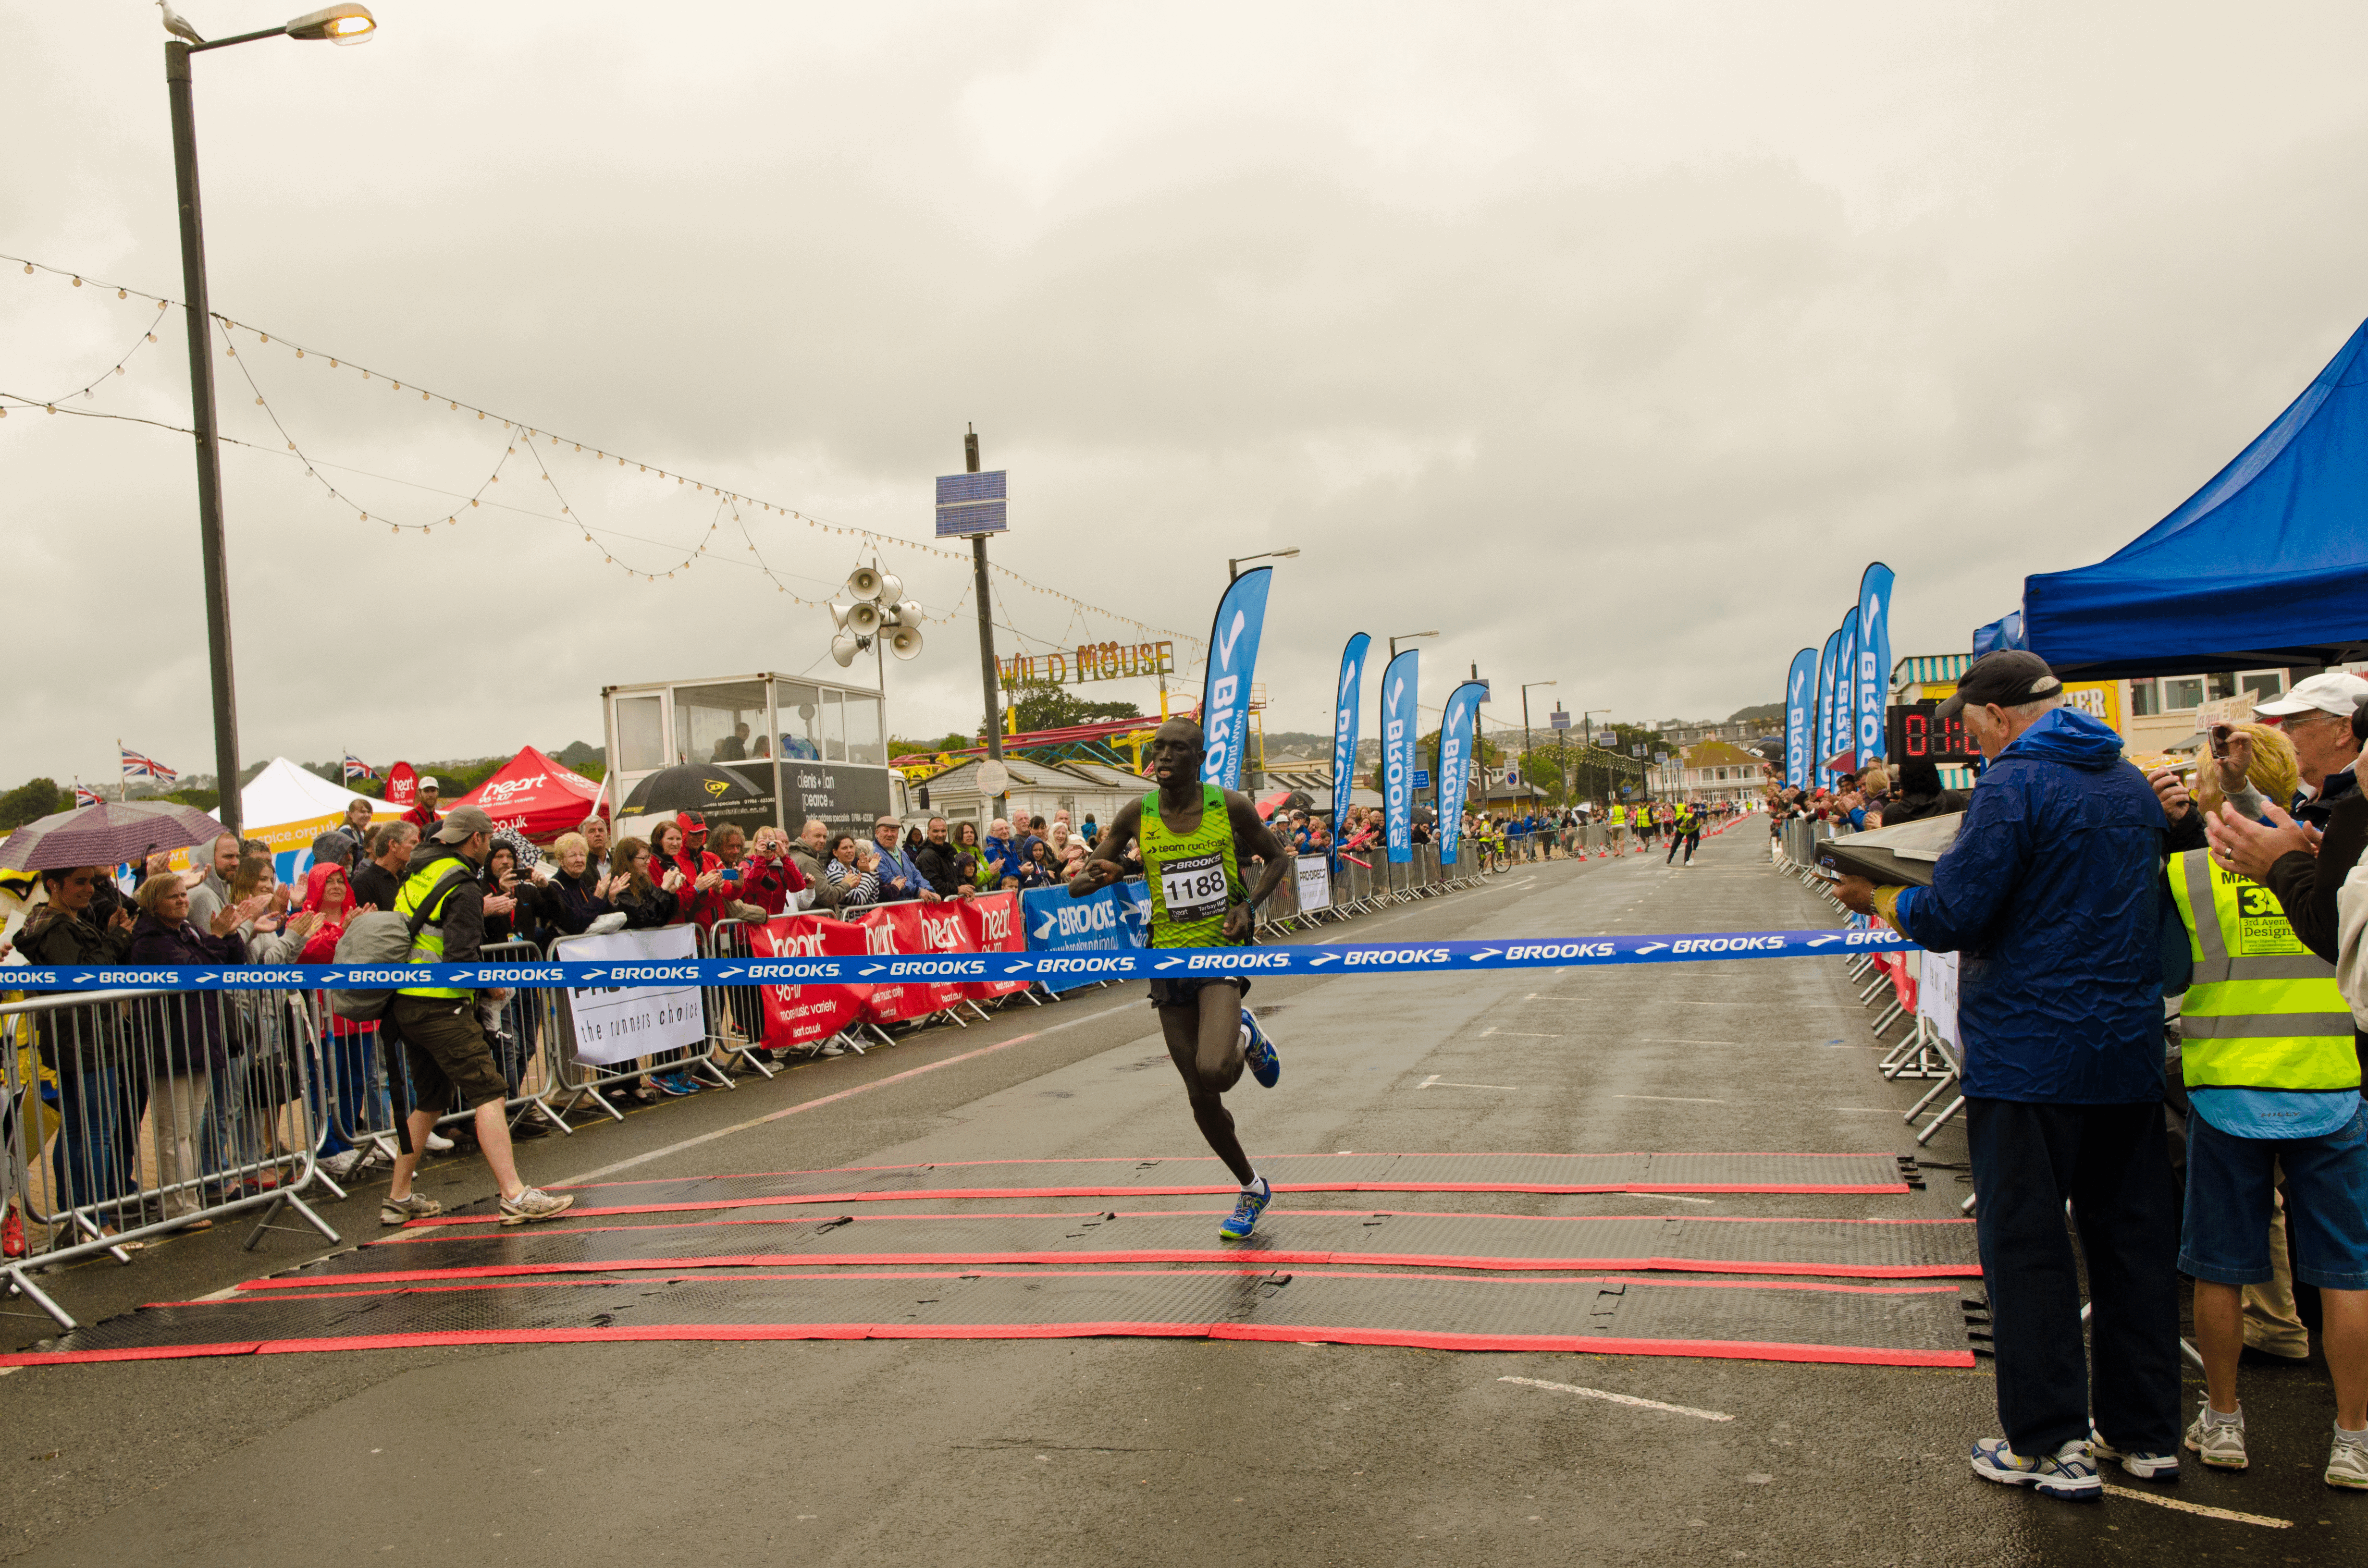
[(1611, 341)]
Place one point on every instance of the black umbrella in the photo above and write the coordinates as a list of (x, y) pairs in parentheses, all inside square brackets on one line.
[(104, 834), (718, 790)]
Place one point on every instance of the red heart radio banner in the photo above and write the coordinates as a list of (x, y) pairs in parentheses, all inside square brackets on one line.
[(801, 1014)]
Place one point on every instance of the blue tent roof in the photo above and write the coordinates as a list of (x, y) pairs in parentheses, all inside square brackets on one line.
[(2267, 565)]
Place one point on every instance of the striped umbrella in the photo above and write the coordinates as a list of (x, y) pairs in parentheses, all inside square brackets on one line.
[(106, 835)]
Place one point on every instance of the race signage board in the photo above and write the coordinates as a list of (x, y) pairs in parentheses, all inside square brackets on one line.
[(1314, 884), (618, 1022)]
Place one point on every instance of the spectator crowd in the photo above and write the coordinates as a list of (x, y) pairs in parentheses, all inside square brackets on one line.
[(2155, 971)]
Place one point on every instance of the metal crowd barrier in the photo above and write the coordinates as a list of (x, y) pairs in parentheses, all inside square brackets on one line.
[(146, 1112)]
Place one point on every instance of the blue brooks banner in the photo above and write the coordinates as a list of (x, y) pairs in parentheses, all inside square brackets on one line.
[(1088, 956), (1845, 733), (1821, 727), (1800, 708), (1399, 722), (1232, 662), (1874, 672), (1347, 700), (1058, 924), (1457, 733)]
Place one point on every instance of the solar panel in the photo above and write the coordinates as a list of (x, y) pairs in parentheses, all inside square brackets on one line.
[(971, 503)]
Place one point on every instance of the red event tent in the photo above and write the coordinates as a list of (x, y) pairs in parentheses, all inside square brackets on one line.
[(534, 795)]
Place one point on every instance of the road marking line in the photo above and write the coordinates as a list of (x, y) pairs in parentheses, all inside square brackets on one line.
[(830, 1099), (2229, 1514), (1672, 1099), (1631, 1400), (1434, 1080), (1669, 1197)]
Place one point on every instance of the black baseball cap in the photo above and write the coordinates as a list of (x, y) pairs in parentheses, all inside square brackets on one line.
[(2009, 677)]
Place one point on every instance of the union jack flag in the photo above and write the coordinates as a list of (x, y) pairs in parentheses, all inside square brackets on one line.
[(87, 797), (357, 769), (138, 767)]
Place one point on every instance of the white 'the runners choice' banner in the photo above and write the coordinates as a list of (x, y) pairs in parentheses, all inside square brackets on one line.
[(1314, 884), (1936, 995), (617, 1024)]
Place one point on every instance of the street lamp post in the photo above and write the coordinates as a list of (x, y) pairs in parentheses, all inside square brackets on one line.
[(1525, 728), (1233, 567), (338, 24), (1408, 637)]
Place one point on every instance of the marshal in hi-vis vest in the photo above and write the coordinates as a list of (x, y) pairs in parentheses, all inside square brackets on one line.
[(2263, 1011), (434, 881), (1195, 877)]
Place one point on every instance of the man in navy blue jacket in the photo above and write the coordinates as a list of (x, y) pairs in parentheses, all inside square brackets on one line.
[(2050, 898)]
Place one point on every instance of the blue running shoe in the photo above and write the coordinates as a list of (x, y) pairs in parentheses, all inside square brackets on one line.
[(1258, 1051), (676, 1084), (1245, 1213)]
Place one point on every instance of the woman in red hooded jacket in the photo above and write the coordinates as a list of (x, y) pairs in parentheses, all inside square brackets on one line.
[(680, 862), (350, 1050)]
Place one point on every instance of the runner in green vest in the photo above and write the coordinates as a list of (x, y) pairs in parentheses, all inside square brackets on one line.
[(1193, 836), (2267, 1060)]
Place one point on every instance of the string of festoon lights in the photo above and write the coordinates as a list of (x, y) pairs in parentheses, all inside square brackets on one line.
[(538, 443)]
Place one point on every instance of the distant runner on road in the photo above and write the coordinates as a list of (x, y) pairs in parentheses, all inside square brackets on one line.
[(1192, 837)]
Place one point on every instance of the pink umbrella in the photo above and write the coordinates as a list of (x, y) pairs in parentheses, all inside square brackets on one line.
[(104, 834)]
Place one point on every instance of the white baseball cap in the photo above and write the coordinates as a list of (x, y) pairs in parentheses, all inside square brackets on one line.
[(2334, 692), (431, 784)]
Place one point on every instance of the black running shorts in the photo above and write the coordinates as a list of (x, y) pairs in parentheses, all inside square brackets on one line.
[(1187, 993)]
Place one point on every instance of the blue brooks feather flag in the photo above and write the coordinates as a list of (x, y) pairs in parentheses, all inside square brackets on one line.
[(1233, 661), (1458, 734), (1821, 727), (1351, 699), (1873, 660), (1845, 733), (1399, 722), (1800, 707)]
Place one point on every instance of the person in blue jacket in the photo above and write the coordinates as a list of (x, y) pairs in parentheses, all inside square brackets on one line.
[(2050, 898)]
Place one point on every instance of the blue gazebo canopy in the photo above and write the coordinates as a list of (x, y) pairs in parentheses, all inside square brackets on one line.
[(2267, 565)]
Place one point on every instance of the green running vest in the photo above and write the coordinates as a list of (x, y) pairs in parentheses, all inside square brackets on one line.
[(2263, 1012), (1194, 876)]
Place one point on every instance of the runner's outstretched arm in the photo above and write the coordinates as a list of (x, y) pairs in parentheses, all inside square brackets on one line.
[(1102, 867)]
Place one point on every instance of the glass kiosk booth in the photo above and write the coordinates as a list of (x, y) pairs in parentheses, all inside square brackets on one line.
[(751, 749)]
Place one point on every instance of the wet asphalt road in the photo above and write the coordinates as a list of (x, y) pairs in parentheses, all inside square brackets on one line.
[(1140, 1450)]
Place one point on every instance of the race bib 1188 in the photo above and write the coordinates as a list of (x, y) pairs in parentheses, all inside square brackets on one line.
[(1193, 888)]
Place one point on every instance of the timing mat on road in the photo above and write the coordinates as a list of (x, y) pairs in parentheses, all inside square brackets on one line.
[(1865, 1249), (1912, 1326), (1194, 1175)]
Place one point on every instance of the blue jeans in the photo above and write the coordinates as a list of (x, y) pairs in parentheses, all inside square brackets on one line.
[(2227, 1239), (98, 1150), (350, 1061)]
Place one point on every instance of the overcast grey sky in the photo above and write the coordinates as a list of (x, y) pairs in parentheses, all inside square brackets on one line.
[(1610, 340)]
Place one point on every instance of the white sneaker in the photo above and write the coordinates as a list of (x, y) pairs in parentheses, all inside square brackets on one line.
[(2068, 1472), (2347, 1464), (2222, 1443), (534, 1204), (2146, 1467), (437, 1143), (340, 1166)]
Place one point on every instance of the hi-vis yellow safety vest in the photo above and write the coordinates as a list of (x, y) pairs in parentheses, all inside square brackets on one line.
[(1620, 816), (2263, 1011), (429, 946)]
